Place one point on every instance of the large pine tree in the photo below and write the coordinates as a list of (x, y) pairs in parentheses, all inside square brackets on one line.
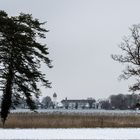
[(21, 54)]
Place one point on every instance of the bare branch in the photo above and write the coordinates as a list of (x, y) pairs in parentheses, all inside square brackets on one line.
[(130, 56)]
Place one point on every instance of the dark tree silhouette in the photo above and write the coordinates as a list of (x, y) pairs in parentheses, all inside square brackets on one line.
[(46, 102), (21, 55), (131, 57), (90, 102)]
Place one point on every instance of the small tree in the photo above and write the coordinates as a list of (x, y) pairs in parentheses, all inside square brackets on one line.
[(118, 101), (46, 102), (76, 105), (90, 102), (21, 55), (131, 57), (105, 104)]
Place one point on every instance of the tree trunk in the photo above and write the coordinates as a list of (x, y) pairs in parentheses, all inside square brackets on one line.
[(7, 101)]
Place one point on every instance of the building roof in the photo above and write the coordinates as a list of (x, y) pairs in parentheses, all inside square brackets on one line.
[(74, 101)]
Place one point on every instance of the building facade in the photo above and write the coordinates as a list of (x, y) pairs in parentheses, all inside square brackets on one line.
[(78, 104)]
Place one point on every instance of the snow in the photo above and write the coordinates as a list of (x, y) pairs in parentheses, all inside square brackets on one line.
[(83, 111), (83, 133), (93, 133)]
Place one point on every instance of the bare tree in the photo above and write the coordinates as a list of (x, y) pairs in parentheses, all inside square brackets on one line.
[(91, 101), (46, 102), (130, 56)]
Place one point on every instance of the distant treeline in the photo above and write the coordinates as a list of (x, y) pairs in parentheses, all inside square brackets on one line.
[(119, 101)]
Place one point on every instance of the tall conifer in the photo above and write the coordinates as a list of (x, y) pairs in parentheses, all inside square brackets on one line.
[(21, 54)]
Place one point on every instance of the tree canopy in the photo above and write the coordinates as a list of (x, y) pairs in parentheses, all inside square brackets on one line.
[(47, 102), (21, 55), (130, 56)]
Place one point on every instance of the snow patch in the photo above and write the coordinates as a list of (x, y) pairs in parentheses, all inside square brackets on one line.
[(93, 133)]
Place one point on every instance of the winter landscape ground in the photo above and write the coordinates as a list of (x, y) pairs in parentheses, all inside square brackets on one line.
[(81, 111), (72, 124), (94, 133), (62, 118)]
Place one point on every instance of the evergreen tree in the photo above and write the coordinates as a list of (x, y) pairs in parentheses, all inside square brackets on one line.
[(21, 54)]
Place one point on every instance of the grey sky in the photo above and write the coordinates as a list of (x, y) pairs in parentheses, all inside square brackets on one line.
[(83, 34)]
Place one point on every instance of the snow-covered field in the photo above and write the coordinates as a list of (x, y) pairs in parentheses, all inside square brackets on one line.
[(82, 111), (88, 133), (83, 133), (96, 133)]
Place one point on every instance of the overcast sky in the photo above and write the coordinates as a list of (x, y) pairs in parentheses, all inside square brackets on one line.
[(83, 34)]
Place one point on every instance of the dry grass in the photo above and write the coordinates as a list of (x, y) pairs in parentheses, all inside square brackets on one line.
[(44, 120)]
